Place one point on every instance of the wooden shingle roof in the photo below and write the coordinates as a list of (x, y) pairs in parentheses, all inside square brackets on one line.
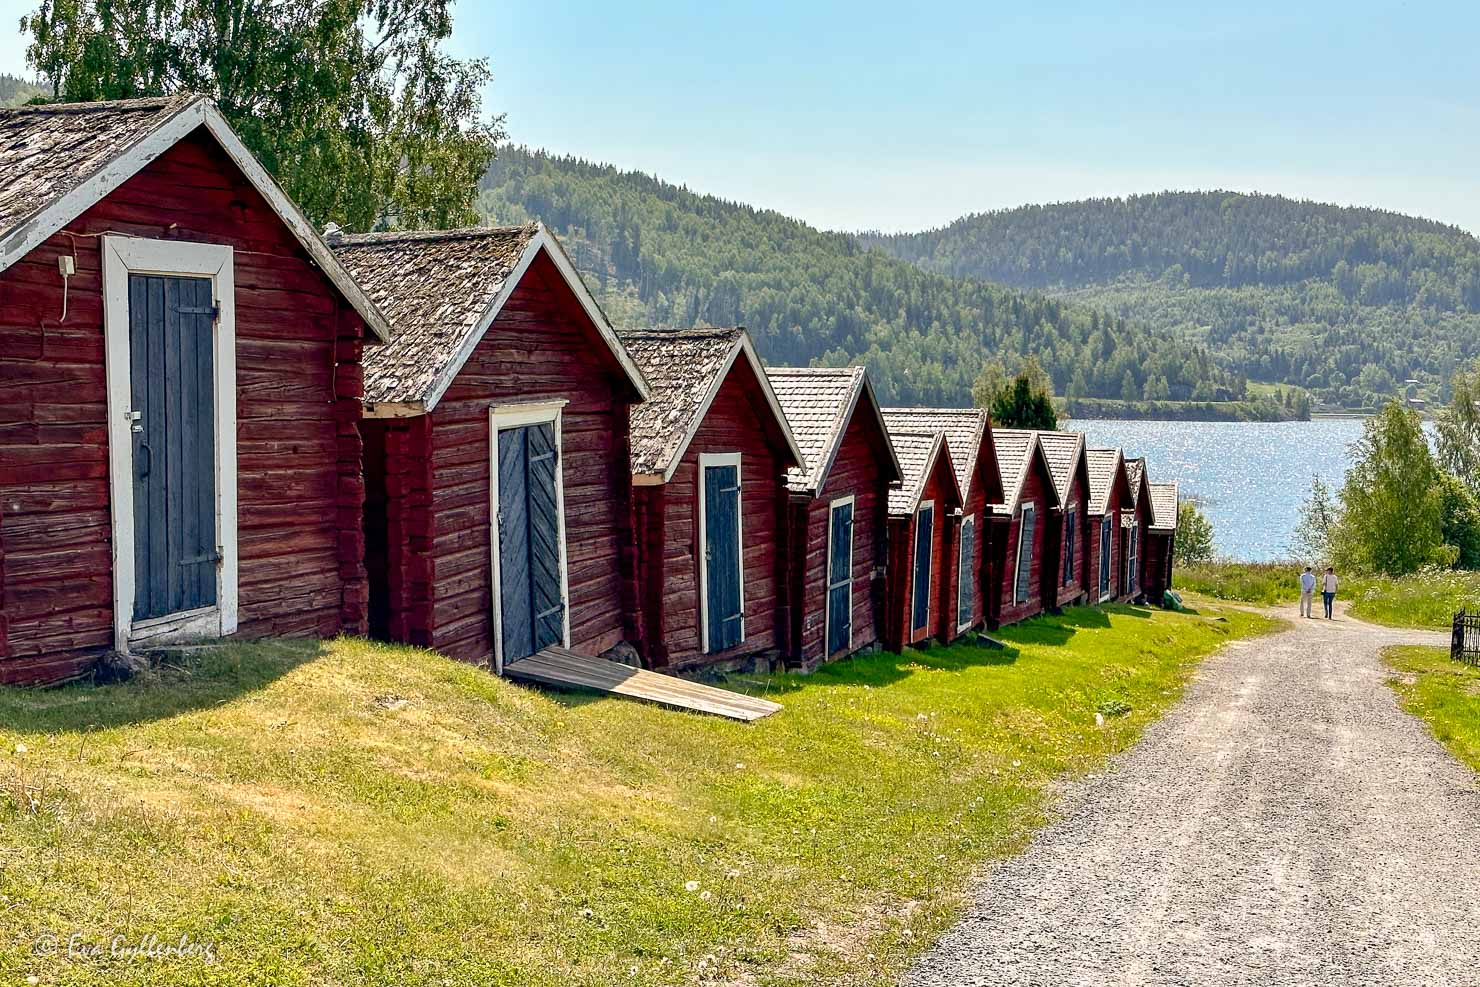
[(441, 290), (1163, 506), (918, 452), (819, 403), (59, 159), (1063, 450), (1105, 466), (965, 428), (1016, 450), (685, 369)]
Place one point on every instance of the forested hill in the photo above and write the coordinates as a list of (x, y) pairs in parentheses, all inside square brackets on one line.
[(1349, 302), (659, 254)]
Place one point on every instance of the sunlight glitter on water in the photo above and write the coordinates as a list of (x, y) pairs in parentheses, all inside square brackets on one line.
[(1250, 477)]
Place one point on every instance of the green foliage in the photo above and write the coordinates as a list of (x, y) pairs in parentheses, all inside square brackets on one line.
[(1349, 302), (1260, 409), (353, 105), (15, 91), (1460, 521), (1319, 512), (1194, 541), (1023, 401), (1457, 428), (659, 254), (1392, 506)]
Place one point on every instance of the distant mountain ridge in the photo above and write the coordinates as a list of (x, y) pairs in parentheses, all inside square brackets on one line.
[(1350, 302), (659, 254)]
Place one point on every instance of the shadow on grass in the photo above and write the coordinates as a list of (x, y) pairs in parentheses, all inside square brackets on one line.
[(211, 677)]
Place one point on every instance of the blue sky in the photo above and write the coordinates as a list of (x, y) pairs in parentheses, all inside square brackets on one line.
[(858, 114)]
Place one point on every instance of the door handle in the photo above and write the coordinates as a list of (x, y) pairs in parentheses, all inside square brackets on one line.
[(148, 459)]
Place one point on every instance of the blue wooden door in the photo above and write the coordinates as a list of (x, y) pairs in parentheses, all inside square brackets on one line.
[(840, 579), (172, 372), (531, 591), (924, 544), (724, 619)]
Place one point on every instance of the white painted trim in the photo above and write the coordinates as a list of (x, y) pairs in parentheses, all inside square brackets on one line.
[(968, 573), (123, 256), (542, 240), (1017, 564), (165, 135), (501, 417), (706, 460), (921, 508), (741, 345), (827, 586), (1069, 540)]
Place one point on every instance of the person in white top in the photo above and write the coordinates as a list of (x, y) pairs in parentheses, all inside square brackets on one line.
[(1328, 589), (1307, 591)]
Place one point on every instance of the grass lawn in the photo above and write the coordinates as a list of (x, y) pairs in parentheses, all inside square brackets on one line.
[(353, 813), (1425, 599), (1443, 693)]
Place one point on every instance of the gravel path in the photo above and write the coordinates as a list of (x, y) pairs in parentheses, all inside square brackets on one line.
[(1285, 823)]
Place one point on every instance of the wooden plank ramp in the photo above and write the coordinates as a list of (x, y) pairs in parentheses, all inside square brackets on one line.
[(564, 669)]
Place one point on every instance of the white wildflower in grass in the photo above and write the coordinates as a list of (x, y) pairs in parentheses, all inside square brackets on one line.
[(691, 886), (739, 765), (705, 895), (21, 748), (586, 913)]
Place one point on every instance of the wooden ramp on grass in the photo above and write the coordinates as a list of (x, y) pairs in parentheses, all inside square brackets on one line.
[(565, 669)]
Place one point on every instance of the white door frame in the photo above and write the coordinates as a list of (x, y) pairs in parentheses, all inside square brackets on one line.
[(966, 570), (500, 418), (915, 566), (1017, 563), (827, 577), (122, 256), (708, 459)]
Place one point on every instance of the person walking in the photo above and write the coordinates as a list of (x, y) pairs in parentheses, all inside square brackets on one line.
[(1328, 589), (1307, 592)]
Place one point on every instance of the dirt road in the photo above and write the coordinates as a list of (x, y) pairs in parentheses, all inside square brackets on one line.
[(1286, 823)]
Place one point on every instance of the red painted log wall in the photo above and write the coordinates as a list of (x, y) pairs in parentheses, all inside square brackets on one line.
[(299, 386), (1076, 588), (901, 566), (438, 588), (668, 536), (860, 469), (1036, 490)]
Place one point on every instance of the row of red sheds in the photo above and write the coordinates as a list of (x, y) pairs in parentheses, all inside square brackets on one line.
[(217, 422)]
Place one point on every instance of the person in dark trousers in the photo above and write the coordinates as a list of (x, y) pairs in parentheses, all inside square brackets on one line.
[(1328, 589)]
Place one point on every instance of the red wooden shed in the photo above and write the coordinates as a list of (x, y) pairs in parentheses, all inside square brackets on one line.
[(498, 518), (1133, 525), (969, 582), (1161, 540), (1109, 498), (710, 451), (839, 510), (920, 543), (1071, 531), (1026, 560), (180, 387)]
